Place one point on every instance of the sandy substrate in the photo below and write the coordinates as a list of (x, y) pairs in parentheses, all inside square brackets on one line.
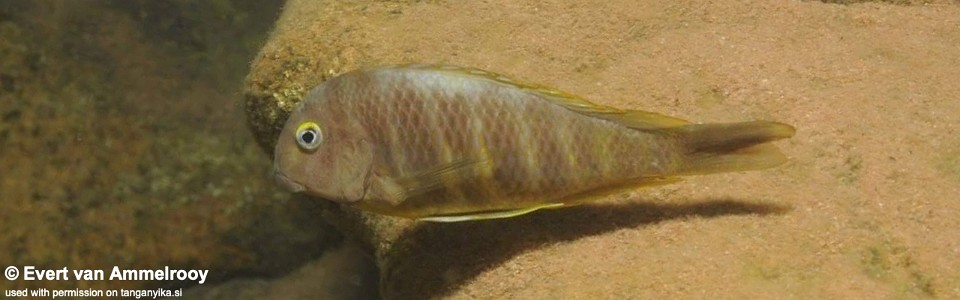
[(867, 207)]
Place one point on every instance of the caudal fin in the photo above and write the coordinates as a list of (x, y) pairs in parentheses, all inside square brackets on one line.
[(731, 147)]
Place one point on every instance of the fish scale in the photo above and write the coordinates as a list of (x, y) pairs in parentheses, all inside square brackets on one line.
[(447, 143), (556, 163)]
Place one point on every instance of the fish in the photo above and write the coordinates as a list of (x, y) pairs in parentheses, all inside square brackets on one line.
[(446, 144)]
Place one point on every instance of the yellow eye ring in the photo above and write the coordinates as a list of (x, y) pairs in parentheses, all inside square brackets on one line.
[(309, 136)]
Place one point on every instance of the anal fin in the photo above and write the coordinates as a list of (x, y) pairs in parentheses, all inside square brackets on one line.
[(487, 215), (618, 188), (573, 200)]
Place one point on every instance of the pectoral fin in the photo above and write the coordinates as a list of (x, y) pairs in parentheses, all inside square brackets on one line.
[(397, 189), (487, 215)]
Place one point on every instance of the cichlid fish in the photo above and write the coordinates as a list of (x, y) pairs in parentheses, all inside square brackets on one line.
[(443, 143)]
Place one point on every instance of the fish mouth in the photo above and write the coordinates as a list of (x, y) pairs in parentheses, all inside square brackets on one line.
[(291, 185), (281, 179)]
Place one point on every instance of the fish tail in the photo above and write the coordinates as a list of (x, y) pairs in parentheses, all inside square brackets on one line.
[(730, 147)]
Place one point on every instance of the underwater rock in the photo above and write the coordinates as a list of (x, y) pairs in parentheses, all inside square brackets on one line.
[(343, 273), (113, 153), (757, 234)]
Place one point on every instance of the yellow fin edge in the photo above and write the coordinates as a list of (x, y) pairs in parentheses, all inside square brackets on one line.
[(500, 214)]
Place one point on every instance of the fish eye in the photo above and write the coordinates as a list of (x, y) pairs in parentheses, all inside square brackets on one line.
[(309, 136)]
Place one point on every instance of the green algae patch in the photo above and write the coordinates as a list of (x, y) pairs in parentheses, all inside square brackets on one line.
[(763, 271), (709, 98), (892, 263), (850, 172), (950, 165)]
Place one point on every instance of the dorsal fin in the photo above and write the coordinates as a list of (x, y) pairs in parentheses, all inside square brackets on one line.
[(644, 120), (636, 119)]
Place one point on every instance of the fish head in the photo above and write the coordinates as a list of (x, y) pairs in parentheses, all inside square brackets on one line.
[(322, 154)]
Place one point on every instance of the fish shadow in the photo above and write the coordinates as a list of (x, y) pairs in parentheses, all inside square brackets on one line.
[(435, 259)]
